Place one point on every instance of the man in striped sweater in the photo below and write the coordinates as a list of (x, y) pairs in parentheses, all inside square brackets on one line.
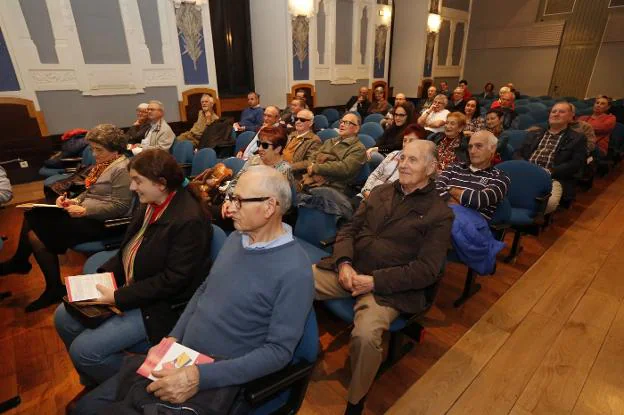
[(477, 185)]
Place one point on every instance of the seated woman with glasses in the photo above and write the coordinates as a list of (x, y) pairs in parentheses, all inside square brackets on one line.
[(163, 259)]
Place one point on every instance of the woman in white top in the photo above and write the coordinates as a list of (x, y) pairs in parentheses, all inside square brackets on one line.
[(434, 118)]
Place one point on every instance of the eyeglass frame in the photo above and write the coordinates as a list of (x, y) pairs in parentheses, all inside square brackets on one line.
[(349, 123), (238, 201)]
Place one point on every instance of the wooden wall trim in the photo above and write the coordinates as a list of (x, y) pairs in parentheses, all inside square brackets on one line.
[(32, 112)]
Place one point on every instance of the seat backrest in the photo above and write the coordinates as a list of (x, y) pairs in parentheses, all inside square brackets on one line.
[(522, 101), (182, 151), (335, 124), (332, 114), (367, 140), (522, 109), (243, 140), (502, 213), (235, 164), (314, 225), (525, 121), (203, 159), (373, 129), (373, 118), (515, 138), (362, 176), (539, 115), (218, 239), (537, 106), (320, 122), (327, 134), (618, 131), (528, 182)]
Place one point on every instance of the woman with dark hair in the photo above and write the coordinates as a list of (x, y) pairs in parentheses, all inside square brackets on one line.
[(488, 91), (388, 170), (163, 259), (392, 138), (474, 120), (494, 122), (271, 144), (48, 232)]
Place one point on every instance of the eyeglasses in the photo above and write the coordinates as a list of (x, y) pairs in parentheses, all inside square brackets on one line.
[(237, 201), (348, 122), (302, 119), (264, 144)]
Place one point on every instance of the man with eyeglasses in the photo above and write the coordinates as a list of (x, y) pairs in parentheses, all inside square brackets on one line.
[(159, 134), (251, 310), (271, 118), (302, 145), (338, 160), (389, 259)]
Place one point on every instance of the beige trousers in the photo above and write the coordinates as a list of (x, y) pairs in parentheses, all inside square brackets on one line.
[(371, 320), (555, 197)]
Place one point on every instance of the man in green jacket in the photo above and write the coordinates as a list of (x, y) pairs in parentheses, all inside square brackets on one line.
[(339, 159)]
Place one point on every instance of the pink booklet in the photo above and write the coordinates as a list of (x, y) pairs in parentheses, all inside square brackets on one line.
[(171, 355)]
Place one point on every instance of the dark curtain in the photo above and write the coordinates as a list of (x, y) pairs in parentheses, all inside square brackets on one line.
[(231, 38)]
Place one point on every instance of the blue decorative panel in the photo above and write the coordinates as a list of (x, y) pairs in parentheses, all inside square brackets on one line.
[(8, 80), (300, 42), (301, 70), (192, 47)]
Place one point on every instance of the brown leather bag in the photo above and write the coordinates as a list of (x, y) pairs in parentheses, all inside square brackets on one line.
[(209, 181), (89, 315)]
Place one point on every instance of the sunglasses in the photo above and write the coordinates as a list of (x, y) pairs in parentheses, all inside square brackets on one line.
[(302, 119), (264, 144)]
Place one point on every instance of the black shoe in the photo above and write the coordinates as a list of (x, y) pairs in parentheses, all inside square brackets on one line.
[(14, 267), (47, 299), (355, 408)]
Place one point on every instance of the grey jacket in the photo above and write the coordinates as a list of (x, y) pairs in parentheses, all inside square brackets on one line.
[(110, 196), (6, 193), (162, 136)]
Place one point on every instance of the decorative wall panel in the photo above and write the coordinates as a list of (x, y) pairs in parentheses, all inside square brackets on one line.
[(192, 48), (381, 35), (8, 79), (300, 44)]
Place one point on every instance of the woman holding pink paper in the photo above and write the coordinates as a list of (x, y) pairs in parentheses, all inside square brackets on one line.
[(164, 257)]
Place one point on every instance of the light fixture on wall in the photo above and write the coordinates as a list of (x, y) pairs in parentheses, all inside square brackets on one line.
[(301, 8), (434, 21), (386, 14)]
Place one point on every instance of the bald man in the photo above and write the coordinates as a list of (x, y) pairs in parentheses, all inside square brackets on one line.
[(302, 144), (387, 270)]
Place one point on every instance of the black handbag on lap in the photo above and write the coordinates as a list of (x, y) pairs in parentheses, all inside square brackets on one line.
[(89, 315)]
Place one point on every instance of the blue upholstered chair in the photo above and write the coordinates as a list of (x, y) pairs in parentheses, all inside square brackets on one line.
[(182, 151), (203, 159), (539, 115), (367, 140), (515, 138), (525, 121), (320, 122), (376, 118), (243, 140), (528, 195), (283, 392), (335, 124), (327, 134), (537, 106), (314, 226), (522, 109), (373, 129), (54, 175), (235, 164), (332, 114)]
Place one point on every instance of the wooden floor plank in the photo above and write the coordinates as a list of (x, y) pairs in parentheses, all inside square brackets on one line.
[(556, 384), (603, 393)]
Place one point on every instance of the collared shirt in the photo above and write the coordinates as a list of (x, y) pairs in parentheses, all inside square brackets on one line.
[(286, 237), (544, 154), (153, 128)]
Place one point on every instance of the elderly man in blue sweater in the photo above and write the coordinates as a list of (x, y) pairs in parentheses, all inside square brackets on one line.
[(252, 307)]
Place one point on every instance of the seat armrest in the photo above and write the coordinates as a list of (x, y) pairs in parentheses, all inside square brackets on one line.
[(71, 170), (259, 390), (113, 223), (185, 165), (71, 160)]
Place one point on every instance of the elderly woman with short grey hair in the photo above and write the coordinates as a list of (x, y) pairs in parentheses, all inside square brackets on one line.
[(49, 231)]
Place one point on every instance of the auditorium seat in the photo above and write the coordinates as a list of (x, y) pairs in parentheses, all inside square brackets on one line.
[(203, 159), (376, 118), (243, 140), (332, 114), (525, 121), (327, 134), (366, 139), (320, 122), (373, 129)]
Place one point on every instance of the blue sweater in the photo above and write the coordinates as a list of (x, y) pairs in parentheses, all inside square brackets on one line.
[(252, 118), (251, 310)]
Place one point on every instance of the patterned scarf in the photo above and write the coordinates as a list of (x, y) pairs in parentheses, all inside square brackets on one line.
[(97, 171), (152, 214)]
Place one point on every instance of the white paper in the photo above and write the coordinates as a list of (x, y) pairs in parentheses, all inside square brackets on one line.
[(83, 287), (37, 205), (176, 357)]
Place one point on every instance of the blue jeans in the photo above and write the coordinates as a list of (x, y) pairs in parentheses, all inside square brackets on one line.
[(97, 354)]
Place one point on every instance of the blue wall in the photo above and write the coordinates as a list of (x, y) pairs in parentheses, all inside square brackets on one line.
[(194, 76), (8, 80), (301, 73)]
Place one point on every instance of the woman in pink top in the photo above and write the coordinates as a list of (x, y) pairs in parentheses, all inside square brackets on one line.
[(602, 122)]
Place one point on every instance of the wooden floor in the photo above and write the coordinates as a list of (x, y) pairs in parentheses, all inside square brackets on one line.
[(543, 336)]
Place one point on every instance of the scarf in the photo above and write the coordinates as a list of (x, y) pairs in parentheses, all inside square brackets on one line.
[(152, 214), (97, 170)]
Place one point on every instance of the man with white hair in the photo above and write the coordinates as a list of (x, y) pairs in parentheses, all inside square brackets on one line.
[(477, 185), (387, 270), (205, 117), (249, 313), (137, 131), (159, 134)]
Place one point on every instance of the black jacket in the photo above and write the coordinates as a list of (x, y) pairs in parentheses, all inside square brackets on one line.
[(171, 263), (362, 107), (569, 157), (459, 107)]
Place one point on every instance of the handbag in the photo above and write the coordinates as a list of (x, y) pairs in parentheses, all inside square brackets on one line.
[(209, 182), (88, 314)]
